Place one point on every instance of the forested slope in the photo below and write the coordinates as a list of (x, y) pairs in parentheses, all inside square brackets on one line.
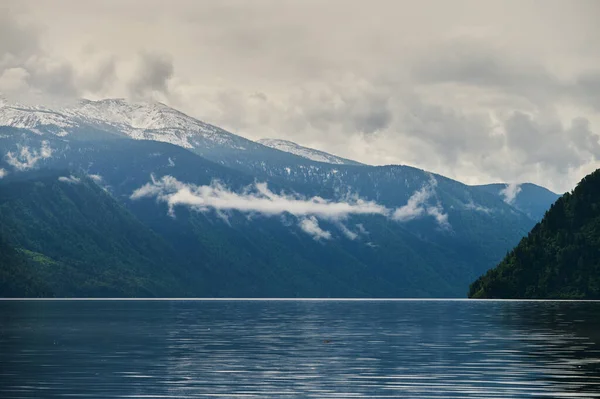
[(560, 258)]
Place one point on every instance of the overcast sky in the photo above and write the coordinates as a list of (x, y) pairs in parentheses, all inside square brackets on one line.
[(479, 91)]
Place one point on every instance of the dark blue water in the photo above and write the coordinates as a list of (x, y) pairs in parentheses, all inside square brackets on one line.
[(300, 349)]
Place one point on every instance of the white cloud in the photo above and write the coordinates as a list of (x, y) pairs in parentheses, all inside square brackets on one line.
[(3, 173), (476, 207), (70, 179), (259, 199), (510, 193), (96, 178), (361, 229), (310, 225), (417, 206), (171, 163), (347, 232), (26, 158)]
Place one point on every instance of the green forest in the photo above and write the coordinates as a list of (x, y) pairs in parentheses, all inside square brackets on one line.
[(559, 259)]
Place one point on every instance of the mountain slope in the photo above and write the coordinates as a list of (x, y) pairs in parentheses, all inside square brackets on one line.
[(17, 278), (305, 152), (560, 258), (411, 258), (136, 120), (71, 238), (529, 198), (446, 235)]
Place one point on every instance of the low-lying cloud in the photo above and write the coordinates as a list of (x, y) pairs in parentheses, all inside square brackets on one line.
[(27, 158), (69, 179), (510, 193), (259, 199), (417, 206), (3, 173), (96, 178), (310, 225), (476, 207)]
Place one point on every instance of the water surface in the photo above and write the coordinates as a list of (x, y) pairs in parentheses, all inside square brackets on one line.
[(299, 349)]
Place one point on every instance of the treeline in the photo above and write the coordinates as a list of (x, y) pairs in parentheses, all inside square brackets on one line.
[(560, 258)]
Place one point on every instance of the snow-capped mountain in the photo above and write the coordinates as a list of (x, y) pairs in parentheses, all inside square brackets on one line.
[(305, 152), (38, 119), (443, 232), (140, 120), (159, 122)]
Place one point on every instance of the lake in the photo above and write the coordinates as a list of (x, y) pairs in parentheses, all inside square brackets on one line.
[(299, 349)]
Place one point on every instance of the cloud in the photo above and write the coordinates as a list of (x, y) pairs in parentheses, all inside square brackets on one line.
[(417, 206), (260, 200), (310, 225), (510, 193), (384, 84), (70, 179), (476, 207), (3, 173), (361, 229), (27, 158), (96, 178), (347, 232), (152, 73)]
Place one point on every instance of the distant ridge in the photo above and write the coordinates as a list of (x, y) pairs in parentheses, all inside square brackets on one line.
[(306, 152)]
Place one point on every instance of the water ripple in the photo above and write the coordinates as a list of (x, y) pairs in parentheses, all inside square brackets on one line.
[(408, 349)]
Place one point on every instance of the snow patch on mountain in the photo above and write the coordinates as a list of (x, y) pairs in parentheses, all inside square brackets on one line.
[(34, 118), (305, 152), (138, 120)]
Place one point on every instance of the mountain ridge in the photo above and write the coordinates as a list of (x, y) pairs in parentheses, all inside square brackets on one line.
[(559, 258), (306, 152), (429, 236)]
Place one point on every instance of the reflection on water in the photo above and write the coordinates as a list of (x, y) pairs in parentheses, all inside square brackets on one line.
[(304, 349)]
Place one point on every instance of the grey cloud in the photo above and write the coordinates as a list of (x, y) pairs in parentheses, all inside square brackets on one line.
[(101, 76), (383, 82), (549, 143), (53, 78), (482, 64), (20, 50), (18, 40), (587, 86), (583, 139), (356, 106), (450, 133), (152, 73), (28, 70)]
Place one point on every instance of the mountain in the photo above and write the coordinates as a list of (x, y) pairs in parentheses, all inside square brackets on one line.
[(560, 258), (305, 152), (63, 235), (529, 198), (425, 235), (16, 279)]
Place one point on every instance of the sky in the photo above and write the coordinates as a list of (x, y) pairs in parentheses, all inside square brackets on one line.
[(479, 91)]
